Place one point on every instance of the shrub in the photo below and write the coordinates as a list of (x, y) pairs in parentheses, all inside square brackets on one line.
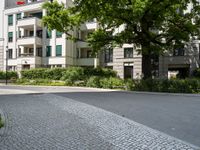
[(10, 75), (73, 74), (171, 86), (112, 83), (196, 73), (101, 72), (93, 81)]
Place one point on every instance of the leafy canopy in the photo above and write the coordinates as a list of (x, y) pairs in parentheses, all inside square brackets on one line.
[(159, 24)]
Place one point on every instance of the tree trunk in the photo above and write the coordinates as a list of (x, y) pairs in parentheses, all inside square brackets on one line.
[(146, 62)]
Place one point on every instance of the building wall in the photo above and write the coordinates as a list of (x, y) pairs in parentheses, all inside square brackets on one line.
[(190, 60)]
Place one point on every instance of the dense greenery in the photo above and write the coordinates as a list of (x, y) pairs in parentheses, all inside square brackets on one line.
[(155, 25), (104, 78), (70, 74), (196, 73), (10, 75)]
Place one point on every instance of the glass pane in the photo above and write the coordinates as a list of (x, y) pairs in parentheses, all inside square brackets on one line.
[(59, 50)]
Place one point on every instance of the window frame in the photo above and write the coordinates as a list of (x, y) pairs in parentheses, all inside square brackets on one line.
[(58, 54), (128, 55)]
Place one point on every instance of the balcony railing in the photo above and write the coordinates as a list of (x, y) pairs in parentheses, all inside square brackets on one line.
[(26, 55)]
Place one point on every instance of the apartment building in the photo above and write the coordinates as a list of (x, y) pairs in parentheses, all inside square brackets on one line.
[(30, 45)]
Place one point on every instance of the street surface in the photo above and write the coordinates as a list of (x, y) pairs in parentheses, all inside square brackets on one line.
[(84, 118)]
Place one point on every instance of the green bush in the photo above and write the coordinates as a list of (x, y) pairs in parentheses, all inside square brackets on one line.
[(170, 86), (73, 74), (112, 83), (196, 73), (101, 72), (10, 75), (43, 73), (93, 81)]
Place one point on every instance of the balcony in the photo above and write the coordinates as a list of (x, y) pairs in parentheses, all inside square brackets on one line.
[(26, 55), (87, 61), (29, 41), (29, 21), (82, 44)]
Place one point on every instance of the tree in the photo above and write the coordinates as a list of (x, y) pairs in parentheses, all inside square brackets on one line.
[(155, 25)]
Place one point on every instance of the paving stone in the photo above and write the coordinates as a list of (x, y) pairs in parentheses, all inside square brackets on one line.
[(47, 121)]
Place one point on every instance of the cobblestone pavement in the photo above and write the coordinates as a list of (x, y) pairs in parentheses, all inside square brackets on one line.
[(47, 121)]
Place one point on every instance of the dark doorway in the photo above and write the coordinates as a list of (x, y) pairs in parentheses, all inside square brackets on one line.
[(128, 72), (182, 72), (26, 67)]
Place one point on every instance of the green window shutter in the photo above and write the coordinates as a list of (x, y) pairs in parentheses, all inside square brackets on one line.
[(58, 50), (49, 35), (19, 16), (48, 51), (58, 34), (10, 20)]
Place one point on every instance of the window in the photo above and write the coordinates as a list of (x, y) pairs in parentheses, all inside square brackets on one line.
[(49, 34), (39, 52), (128, 52), (179, 52), (48, 54), (10, 20), (10, 36), (109, 55), (58, 34), (10, 53), (58, 50), (19, 16)]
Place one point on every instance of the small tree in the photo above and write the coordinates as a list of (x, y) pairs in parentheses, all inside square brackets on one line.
[(155, 25)]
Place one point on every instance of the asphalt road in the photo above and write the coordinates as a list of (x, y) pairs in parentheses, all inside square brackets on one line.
[(178, 116)]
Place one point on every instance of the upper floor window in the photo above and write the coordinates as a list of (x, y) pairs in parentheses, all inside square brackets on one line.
[(58, 34), (19, 16), (10, 20), (58, 50), (128, 52), (179, 52), (10, 36)]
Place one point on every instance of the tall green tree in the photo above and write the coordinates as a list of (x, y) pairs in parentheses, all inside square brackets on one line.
[(154, 25)]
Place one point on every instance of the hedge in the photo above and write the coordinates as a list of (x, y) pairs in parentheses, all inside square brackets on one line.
[(196, 73), (70, 73), (10, 75)]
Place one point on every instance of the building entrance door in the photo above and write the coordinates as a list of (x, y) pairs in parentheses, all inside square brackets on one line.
[(128, 72)]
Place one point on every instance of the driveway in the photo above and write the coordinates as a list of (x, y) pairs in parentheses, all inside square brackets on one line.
[(79, 118)]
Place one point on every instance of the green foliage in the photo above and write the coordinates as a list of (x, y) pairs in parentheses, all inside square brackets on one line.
[(141, 20), (10, 75), (112, 83), (45, 82), (93, 81), (196, 73), (101, 72), (170, 86), (73, 74), (43, 73)]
